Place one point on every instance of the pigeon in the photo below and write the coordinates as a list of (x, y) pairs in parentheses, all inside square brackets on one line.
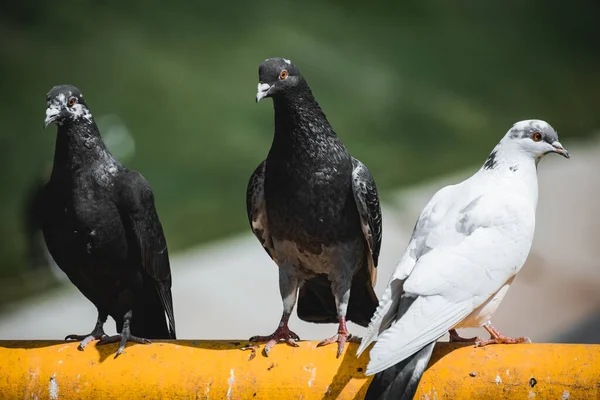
[(469, 243), (315, 209), (102, 229)]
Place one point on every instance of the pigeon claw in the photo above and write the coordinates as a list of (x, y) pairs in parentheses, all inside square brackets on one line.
[(87, 339), (123, 338), (497, 338), (283, 333), (341, 338), (252, 348), (502, 340)]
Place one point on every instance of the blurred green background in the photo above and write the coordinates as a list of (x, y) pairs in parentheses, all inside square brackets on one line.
[(415, 89)]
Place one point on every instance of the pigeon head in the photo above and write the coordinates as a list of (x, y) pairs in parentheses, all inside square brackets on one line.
[(66, 105), (536, 137), (276, 76)]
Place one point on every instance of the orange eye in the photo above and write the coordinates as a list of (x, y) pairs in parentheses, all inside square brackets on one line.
[(537, 136), (72, 101), (283, 74)]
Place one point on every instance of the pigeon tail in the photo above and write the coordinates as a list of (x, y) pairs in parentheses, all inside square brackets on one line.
[(316, 302), (400, 381), (149, 319)]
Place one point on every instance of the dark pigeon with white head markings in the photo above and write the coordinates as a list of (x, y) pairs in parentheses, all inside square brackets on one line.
[(101, 227), (315, 209)]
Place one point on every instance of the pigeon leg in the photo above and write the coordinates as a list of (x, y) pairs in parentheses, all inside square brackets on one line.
[(288, 287), (341, 338), (341, 293), (497, 338), (455, 337), (124, 337), (97, 333)]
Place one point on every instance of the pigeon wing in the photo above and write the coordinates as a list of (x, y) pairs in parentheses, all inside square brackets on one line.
[(369, 209), (257, 209), (471, 254), (143, 227)]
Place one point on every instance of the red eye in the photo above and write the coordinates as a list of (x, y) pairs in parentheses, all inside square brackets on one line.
[(283, 74), (72, 101), (537, 136)]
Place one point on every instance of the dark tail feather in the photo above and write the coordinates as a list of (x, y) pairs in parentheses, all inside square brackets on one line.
[(400, 382), (166, 299), (317, 304), (153, 316)]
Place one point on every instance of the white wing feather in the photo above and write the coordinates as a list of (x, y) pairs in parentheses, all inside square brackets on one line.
[(425, 321), (388, 305)]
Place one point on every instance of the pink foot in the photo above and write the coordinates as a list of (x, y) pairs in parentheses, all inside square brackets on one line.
[(340, 338), (497, 338), (282, 333)]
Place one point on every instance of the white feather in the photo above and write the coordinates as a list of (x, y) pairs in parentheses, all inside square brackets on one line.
[(386, 310), (426, 321)]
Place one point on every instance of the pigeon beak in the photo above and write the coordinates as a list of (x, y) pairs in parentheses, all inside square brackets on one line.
[(263, 91), (558, 148), (52, 113)]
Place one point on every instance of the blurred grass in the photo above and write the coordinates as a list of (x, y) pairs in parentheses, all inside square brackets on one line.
[(414, 89)]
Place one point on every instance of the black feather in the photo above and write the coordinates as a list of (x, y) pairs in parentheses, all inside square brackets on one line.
[(400, 381), (137, 205), (491, 162), (316, 302)]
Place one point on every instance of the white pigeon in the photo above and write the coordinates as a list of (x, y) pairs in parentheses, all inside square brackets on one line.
[(469, 243)]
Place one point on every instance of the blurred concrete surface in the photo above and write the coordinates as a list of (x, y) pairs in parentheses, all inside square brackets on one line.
[(229, 289)]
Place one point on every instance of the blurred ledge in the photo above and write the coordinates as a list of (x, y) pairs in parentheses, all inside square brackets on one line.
[(222, 370)]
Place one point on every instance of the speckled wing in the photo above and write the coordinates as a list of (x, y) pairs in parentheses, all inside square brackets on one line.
[(369, 209), (257, 210)]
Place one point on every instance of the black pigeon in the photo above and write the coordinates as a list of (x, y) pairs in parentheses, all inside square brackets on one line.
[(316, 211), (102, 229)]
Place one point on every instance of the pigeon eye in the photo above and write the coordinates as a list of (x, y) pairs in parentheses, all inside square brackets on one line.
[(283, 74), (536, 136), (72, 101)]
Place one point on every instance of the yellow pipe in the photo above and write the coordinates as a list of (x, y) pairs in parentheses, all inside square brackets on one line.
[(188, 369)]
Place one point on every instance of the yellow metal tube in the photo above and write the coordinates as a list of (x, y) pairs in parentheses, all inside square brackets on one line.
[(187, 369)]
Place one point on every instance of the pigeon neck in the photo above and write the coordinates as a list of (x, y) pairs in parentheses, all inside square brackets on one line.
[(505, 158), (514, 167), (78, 146), (298, 116)]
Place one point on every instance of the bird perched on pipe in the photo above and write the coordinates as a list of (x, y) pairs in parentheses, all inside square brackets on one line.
[(315, 209), (101, 227), (469, 243)]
